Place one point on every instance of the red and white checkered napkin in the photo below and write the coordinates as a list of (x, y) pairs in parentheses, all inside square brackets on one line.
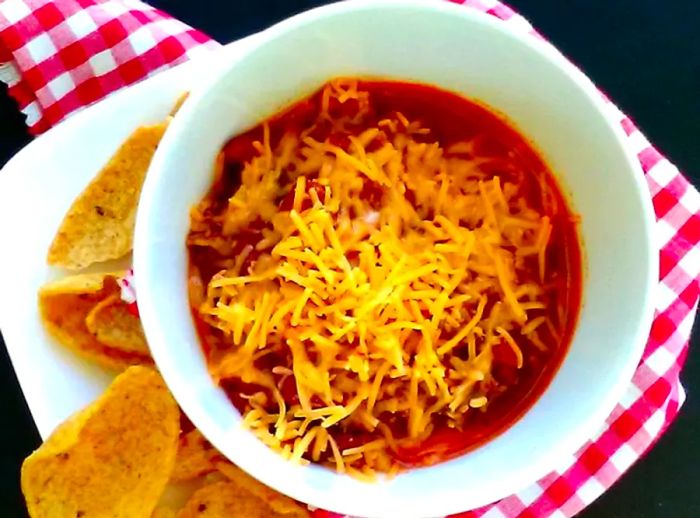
[(58, 56)]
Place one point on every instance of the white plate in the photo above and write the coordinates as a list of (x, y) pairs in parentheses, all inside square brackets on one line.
[(36, 188)]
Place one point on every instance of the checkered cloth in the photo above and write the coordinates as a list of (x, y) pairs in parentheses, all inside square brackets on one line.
[(58, 56)]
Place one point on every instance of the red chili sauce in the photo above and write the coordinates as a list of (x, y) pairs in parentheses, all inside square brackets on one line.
[(451, 118)]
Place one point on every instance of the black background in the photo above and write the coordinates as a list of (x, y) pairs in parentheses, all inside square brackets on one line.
[(643, 53)]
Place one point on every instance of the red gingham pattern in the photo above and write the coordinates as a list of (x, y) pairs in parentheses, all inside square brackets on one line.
[(70, 53), (58, 56)]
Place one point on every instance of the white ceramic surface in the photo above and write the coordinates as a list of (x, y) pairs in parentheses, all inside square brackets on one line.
[(548, 99), (36, 188)]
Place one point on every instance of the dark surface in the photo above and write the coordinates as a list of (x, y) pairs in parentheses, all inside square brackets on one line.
[(645, 55)]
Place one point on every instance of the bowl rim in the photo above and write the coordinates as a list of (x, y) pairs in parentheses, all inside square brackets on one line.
[(563, 448)]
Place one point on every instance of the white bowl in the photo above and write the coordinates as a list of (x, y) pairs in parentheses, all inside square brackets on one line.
[(548, 99)]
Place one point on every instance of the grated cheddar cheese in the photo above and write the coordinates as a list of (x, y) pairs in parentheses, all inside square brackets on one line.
[(367, 282)]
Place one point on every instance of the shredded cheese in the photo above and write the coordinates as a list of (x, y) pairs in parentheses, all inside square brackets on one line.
[(379, 309)]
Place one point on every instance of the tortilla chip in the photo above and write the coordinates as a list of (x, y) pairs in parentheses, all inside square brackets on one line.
[(113, 458), (195, 457), (86, 284), (278, 503), (177, 494), (100, 224), (225, 499), (86, 314), (112, 324), (178, 104)]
